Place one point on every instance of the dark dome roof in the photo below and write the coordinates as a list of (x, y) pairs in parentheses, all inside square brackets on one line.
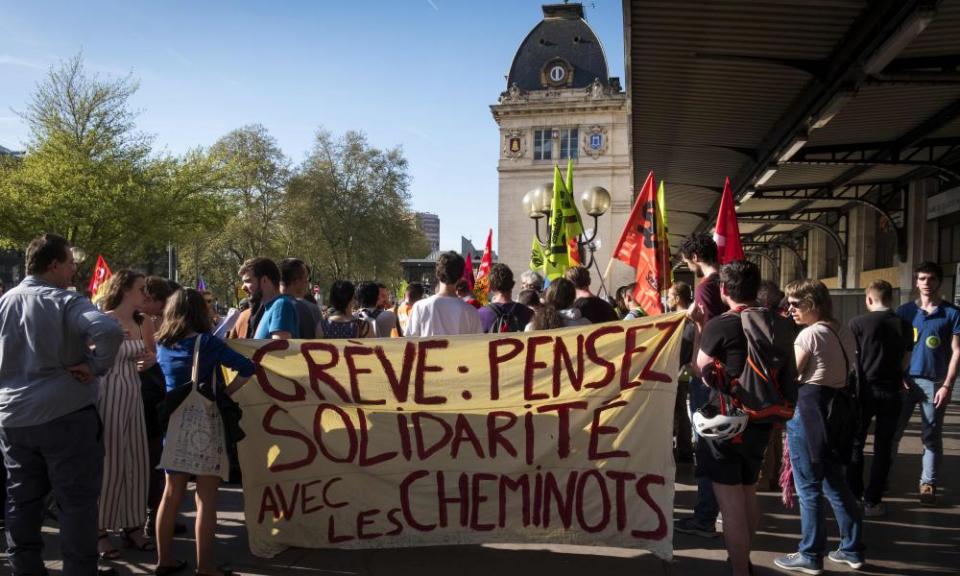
[(564, 35)]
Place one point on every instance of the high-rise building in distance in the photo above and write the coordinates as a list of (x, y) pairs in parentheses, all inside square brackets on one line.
[(429, 224)]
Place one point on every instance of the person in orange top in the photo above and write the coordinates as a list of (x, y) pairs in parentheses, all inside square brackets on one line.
[(402, 310)]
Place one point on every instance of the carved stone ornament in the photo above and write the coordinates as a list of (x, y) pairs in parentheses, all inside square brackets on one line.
[(514, 144), (597, 90), (595, 141), (513, 94)]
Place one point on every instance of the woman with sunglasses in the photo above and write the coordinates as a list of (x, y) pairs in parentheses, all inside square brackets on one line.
[(825, 354)]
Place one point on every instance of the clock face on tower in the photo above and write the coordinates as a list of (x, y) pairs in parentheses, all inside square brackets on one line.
[(556, 73)]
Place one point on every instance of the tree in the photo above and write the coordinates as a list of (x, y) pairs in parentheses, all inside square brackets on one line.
[(251, 174), (348, 209), (89, 175)]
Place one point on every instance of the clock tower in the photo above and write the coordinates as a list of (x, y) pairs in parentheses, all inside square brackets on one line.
[(559, 105)]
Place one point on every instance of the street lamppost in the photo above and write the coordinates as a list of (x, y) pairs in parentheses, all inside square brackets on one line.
[(595, 201)]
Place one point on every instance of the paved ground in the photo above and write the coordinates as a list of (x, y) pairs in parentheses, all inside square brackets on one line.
[(911, 540)]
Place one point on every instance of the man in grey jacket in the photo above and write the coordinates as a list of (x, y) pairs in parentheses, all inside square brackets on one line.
[(53, 346)]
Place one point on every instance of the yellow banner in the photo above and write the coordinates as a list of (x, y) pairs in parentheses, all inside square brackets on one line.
[(561, 436)]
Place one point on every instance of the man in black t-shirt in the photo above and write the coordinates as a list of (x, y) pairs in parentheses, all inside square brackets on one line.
[(593, 308), (734, 465), (884, 343)]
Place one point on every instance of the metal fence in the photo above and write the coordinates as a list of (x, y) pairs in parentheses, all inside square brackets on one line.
[(848, 303)]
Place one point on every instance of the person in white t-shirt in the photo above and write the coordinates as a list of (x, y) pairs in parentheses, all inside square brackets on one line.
[(825, 351), (444, 314)]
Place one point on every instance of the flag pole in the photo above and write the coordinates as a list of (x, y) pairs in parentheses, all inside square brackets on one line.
[(606, 273), (603, 285)]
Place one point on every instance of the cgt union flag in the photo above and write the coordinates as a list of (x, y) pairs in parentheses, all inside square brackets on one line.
[(481, 288), (98, 281), (639, 247), (727, 233)]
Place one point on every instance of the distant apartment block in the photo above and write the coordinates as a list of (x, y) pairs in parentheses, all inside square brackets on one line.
[(429, 224)]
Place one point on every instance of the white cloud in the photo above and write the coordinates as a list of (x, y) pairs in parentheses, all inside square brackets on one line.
[(433, 5), (14, 61)]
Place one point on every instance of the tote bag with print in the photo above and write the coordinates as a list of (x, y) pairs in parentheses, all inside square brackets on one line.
[(195, 442)]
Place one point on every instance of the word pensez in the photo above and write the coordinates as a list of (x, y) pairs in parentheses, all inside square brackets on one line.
[(548, 436)]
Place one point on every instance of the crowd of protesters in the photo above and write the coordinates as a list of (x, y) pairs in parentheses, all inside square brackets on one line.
[(86, 393)]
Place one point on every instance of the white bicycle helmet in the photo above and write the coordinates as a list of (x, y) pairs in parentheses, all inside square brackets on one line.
[(709, 423)]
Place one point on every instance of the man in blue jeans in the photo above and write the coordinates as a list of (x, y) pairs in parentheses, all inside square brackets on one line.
[(699, 253), (884, 344), (53, 345), (932, 370)]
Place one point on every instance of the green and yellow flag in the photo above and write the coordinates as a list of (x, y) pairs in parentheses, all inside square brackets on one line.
[(663, 240), (536, 256), (402, 290), (574, 223), (557, 258)]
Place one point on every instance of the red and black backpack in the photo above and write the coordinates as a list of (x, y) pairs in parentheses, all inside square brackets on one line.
[(766, 390)]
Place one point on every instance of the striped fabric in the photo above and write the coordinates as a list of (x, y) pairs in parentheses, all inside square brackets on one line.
[(123, 497)]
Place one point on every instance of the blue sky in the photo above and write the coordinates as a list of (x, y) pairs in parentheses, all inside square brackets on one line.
[(420, 74)]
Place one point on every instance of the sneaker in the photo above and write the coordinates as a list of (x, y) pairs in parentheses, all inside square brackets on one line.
[(928, 494), (696, 527), (874, 510), (851, 559), (797, 562)]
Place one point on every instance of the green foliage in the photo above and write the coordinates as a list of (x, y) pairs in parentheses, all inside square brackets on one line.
[(90, 175), (348, 209), (251, 173)]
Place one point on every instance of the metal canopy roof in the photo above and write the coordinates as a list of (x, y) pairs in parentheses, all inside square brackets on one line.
[(809, 106)]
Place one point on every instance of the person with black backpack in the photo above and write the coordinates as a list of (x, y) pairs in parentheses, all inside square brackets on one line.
[(820, 435), (381, 321), (502, 314), (749, 367)]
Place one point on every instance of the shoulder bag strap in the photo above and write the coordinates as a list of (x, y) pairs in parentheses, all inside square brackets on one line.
[(195, 371), (846, 359), (840, 342)]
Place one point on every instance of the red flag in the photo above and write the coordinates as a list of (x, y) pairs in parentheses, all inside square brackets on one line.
[(727, 233), (637, 247), (101, 273), (481, 288), (487, 261), (468, 270)]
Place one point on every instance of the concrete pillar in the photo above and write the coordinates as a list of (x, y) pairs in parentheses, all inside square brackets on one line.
[(788, 267), (921, 234), (817, 255), (767, 269), (869, 227), (855, 245)]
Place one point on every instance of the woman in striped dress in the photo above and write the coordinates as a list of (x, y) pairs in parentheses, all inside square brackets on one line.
[(126, 468)]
